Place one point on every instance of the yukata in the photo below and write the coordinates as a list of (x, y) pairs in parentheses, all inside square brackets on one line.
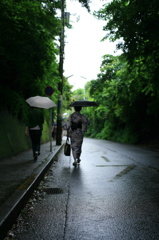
[(76, 135)]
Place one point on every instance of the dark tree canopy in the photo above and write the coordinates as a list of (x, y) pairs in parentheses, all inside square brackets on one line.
[(127, 88)]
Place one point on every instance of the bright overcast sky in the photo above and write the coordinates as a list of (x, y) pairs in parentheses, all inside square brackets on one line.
[(83, 46)]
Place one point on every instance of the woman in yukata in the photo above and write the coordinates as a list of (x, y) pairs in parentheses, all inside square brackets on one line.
[(77, 125)]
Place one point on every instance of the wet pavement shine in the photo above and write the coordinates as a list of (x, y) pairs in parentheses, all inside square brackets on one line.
[(19, 176), (112, 195)]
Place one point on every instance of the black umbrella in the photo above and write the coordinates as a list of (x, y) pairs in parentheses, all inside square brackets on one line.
[(83, 103)]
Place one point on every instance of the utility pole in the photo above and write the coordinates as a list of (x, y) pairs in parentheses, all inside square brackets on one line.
[(60, 84)]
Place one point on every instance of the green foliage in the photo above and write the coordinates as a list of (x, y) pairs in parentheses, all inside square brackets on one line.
[(78, 94), (85, 3), (67, 94), (134, 23), (27, 51), (127, 87), (123, 106)]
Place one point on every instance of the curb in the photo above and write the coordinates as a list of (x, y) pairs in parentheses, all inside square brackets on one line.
[(13, 206)]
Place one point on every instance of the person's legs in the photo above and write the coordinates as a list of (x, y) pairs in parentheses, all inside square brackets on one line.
[(35, 136), (76, 145), (37, 141), (33, 140)]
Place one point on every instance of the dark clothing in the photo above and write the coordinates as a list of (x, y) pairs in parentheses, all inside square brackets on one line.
[(35, 120), (35, 136), (75, 125), (35, 117)]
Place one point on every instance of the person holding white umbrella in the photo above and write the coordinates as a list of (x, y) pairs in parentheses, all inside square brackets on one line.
[(35, 120)]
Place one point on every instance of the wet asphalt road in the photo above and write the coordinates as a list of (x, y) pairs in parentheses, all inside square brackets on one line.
[(112, 195)]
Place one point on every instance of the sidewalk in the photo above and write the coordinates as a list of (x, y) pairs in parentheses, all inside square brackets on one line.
[(19, 176)]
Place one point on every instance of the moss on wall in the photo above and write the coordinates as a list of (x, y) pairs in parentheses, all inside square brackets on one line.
[(12, 137)]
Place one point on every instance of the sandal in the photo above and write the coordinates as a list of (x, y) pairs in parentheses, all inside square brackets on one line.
[(74, 164)]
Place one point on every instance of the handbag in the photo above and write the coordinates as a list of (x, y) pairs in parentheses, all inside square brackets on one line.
[(67, 147)]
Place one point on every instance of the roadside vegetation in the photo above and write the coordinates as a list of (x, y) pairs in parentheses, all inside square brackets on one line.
[(127, 86)]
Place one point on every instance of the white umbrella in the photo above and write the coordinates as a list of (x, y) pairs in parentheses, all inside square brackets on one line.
[(40, 102)]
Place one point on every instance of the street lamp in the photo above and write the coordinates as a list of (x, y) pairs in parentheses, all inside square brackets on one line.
[(69, 76), (84, 89)]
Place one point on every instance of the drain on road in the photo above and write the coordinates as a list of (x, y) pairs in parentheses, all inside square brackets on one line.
[(53, 190)]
